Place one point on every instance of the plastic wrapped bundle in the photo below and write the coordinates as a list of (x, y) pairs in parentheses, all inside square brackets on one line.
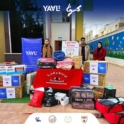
[(46, 63), (65, 64)]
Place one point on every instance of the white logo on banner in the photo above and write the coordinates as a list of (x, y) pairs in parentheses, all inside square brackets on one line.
[(93, 67), (94, 79), (62, 118), (7, 81), (51, 8), (10, 92), (70, 48), (31, 53)]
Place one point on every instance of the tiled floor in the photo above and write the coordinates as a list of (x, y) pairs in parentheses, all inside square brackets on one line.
[(18, 113)]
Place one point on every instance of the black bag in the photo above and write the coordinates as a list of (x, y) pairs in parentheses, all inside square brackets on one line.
[(50, 100), (109, 93)]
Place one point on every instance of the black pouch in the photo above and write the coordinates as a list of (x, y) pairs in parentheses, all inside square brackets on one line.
[(50, 100), (109, 93)]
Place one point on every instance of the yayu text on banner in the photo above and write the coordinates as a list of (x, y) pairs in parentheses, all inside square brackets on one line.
[(57, 8)]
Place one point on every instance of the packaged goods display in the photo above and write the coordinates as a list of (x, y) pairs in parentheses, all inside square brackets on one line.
[(97, 67)]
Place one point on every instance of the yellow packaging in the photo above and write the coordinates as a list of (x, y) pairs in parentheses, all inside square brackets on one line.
[(77, 61)]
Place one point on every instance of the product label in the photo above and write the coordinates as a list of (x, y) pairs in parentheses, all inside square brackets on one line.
[(15, 80), (93, 67), (102, 68), (7, 81), (3, 93), (10, 92), (94, 79)]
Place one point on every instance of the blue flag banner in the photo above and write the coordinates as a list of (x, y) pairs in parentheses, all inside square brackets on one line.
[(31, 51)]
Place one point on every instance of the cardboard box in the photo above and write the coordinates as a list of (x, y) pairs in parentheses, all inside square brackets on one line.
[(1, 81), (15, 69), (77, 61), (97, 67), (11, 92), (95, 79), (11, 80)]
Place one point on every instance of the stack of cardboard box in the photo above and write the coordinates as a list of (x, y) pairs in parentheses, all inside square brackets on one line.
[(95, 74), (11, 81)]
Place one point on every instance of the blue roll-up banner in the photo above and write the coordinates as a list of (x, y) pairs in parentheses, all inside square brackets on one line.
[(31, 51)]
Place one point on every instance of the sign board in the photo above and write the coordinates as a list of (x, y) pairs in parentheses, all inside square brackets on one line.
[(31, 51), (71, 48)]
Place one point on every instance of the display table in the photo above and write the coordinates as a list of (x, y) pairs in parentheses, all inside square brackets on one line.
[(58, 78)]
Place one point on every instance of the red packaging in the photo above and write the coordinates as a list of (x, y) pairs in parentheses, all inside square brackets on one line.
[(114, 118), (119, 107), (37, 99)]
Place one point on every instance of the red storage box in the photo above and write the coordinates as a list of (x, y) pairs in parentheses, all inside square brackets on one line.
[(114, 118), (109, 109)]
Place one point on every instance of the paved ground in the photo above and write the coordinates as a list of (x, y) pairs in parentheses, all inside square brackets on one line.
[(16, 113)]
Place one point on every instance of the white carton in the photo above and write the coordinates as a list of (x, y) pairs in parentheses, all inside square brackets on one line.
[(65, 101), (15, 69), (2, 70), (60, 96)]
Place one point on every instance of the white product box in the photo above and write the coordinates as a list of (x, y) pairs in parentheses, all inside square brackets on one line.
[(65, 101), (15, 69), (2, 70), (60, 96)]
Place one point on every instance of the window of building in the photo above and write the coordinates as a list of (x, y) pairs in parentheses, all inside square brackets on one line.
[(59, 17), (26, 20), (116, 27)]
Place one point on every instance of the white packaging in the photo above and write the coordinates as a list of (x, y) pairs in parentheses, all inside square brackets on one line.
[(60, 96), (2, 70), (65, 101), (15, 69)]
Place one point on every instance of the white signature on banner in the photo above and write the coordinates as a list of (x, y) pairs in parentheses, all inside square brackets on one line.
[(70, 11)]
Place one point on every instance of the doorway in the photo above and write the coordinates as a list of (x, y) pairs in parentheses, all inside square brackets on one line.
[(58, 45)]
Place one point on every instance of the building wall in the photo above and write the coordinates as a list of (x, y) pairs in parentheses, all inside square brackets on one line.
[(114, 26), (89, 36), (73, 35), (101, 32), (2, 37), (60, 29)]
